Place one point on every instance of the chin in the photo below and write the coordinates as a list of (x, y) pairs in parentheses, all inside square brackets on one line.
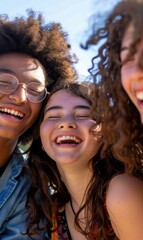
[(66, 161)]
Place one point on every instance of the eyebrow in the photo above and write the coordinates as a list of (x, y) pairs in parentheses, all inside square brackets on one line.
[(60, 108), (124, 48), (6, 70)]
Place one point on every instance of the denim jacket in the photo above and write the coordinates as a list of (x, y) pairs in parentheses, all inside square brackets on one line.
[(14, 186)]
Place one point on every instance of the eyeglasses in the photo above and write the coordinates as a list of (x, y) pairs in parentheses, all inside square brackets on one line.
[(35, 91)]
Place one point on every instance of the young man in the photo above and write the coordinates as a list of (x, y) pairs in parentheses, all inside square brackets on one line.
[(33, 55)]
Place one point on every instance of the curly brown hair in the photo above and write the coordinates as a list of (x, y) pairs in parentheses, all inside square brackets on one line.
[(53, 192), (121, 125), (46, 42)]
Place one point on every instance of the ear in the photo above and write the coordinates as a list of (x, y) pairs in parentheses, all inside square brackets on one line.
[(97, 132)]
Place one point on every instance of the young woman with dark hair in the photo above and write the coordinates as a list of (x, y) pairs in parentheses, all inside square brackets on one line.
[(82, 196)]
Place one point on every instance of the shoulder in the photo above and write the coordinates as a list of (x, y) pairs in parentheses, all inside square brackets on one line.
[(124, 203), (123, 186)]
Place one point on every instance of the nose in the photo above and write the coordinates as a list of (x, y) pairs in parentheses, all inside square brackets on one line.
[(67, 124), (19, 95)]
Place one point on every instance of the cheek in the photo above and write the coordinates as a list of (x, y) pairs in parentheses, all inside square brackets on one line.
[(4, 97), (1, 95), (125, 78), (46, 135), (93, 145), (44, 131)]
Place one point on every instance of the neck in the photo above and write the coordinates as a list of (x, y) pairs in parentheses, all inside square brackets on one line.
[(6, 149), (76, 180)]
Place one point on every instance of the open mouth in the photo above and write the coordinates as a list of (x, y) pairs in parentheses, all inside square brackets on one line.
[(12, 112), (73, 140), (139, 96)]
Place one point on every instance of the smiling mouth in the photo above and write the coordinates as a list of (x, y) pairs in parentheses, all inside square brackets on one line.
[(139, 96), (73, 140), (12, 112)]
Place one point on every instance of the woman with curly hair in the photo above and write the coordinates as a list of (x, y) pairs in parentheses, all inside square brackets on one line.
[(82, 195), (119, 103), (33, 57)]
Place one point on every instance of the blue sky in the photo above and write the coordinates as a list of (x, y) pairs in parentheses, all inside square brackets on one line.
[(72, 14)]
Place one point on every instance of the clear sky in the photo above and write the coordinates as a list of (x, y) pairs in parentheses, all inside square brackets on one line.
[(72, 14)]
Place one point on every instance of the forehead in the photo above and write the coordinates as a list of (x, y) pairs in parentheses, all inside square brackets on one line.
[(18, 61), (22, 64), (66, 98)]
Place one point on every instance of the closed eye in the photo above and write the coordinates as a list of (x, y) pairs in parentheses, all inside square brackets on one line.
[(5, 83), (125, 60), (33, 91), (53, 117), (84, 116), (128, 62)]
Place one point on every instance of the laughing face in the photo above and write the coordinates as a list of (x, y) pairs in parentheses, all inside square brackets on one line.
[(65, 129), (17, 113), (132, 71)]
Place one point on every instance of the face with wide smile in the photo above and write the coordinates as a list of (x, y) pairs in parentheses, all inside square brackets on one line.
[(65, 129), (17, 113), (132, 71)]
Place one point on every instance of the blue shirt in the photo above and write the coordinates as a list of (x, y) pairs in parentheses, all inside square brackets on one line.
[(14, 186)]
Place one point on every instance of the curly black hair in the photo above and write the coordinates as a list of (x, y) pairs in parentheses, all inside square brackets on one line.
[(121, 125)]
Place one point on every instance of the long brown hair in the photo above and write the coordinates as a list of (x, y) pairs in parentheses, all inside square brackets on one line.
[(53, 192)]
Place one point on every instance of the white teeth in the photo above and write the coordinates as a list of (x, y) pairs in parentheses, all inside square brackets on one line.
[(63, 138), (139, 95), (12, 112)]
